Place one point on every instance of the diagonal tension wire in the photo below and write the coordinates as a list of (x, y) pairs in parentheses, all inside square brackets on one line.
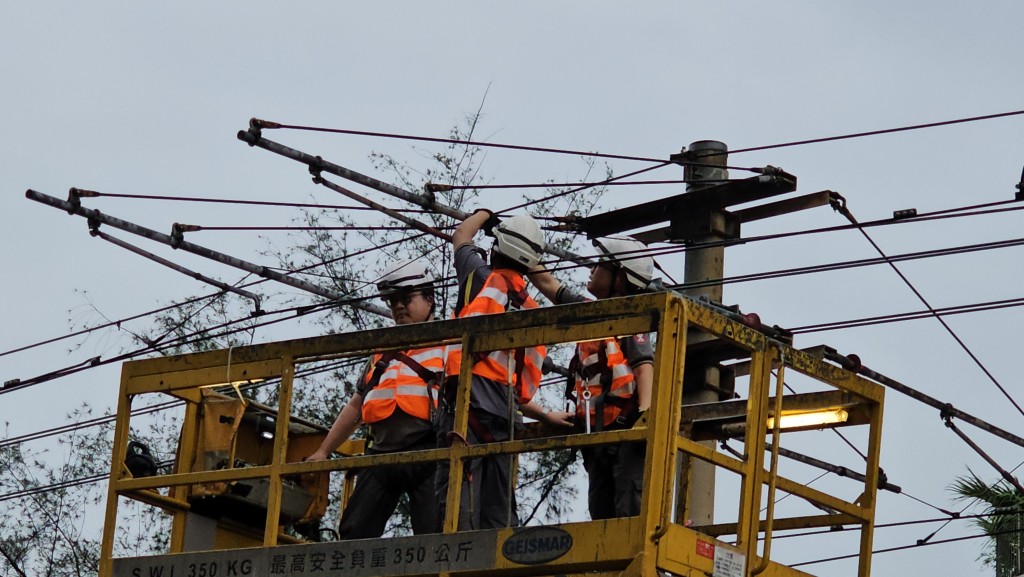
[(906, 547), (841, 528), (660, 164), (846, 212), (156, 408), (119, 322), (265, 124), (878, 132), (180, 341)]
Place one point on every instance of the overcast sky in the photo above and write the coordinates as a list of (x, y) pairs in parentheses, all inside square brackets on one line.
[(146, 98)]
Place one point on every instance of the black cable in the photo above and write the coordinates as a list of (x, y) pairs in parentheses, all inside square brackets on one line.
[(199, 228), (843, 528), (162, 406), (181, 341), (567, 184), (909, 316), (877, 132), (248, 202), (55, 487), (846, 212), (939, 215), (118, 323), (575, 190), (263, 124), (963, 249), (905, 547)]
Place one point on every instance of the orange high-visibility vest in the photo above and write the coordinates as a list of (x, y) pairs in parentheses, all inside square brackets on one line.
[(403, 386), (603, 371), (503, 290)]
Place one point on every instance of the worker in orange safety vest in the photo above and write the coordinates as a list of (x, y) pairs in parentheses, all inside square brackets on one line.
[(397, 397), (503, 382), (613, 377)]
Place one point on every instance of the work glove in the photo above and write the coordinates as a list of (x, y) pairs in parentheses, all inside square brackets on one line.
[(492, 222)]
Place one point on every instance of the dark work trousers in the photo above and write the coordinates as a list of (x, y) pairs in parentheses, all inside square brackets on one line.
[(616, 475), (485, 487), (378, 490)]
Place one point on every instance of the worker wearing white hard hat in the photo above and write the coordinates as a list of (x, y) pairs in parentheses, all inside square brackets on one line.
[(397, 397), (613, 377), (504, 382)]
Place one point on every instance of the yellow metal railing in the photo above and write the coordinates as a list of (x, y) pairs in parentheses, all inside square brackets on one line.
[(636, 545)]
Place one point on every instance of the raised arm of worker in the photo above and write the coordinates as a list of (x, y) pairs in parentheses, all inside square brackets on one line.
[(348, 419), (468, 228), (539, 413), (545, 282)]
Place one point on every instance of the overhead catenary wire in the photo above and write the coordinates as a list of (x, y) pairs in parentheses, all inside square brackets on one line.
[(158, 407), (158, 346), (182, 341), (97, 194), (906, 547), (101, 477), (843, 528), (908, 316), (258, 124), (318, 165), (440, 187), (178, 242), (582, 188), (352, 228), (844, 210), (124, 320), (877, 132), (942, 211), (176, 267)]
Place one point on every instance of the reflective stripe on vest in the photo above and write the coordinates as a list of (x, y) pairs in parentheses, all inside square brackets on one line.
[(590, 376), (400, 386), (494, 298)]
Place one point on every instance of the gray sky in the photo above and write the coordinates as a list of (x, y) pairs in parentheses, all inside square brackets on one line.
[(125, 97)]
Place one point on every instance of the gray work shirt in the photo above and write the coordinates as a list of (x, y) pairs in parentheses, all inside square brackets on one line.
[(485, 395), (636, 348)]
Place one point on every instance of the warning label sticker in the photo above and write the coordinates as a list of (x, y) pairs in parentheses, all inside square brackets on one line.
[(729, 563), (705, 549)]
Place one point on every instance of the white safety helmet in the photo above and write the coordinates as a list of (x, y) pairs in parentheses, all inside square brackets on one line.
[(520, 239), (409, 274), (629, 255)]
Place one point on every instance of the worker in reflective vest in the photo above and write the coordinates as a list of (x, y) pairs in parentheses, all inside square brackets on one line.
[(397, 397), (504, 382), (613, 378)]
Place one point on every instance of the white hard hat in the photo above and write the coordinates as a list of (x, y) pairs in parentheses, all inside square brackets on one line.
[(629, 255), (405, 275), (520, 239)]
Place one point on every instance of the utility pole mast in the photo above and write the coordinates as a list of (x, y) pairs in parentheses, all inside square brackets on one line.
[(708, 158)]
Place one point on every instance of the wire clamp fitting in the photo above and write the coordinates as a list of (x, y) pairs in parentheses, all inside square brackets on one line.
[(178, 231), (682, 158), (315, 168), (94, 223), (74, 199)]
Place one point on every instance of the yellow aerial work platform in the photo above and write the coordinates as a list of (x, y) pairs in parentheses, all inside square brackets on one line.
[(644, 545)]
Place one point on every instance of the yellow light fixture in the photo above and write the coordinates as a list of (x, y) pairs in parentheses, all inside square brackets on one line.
[(810, 419), (232, 383)]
